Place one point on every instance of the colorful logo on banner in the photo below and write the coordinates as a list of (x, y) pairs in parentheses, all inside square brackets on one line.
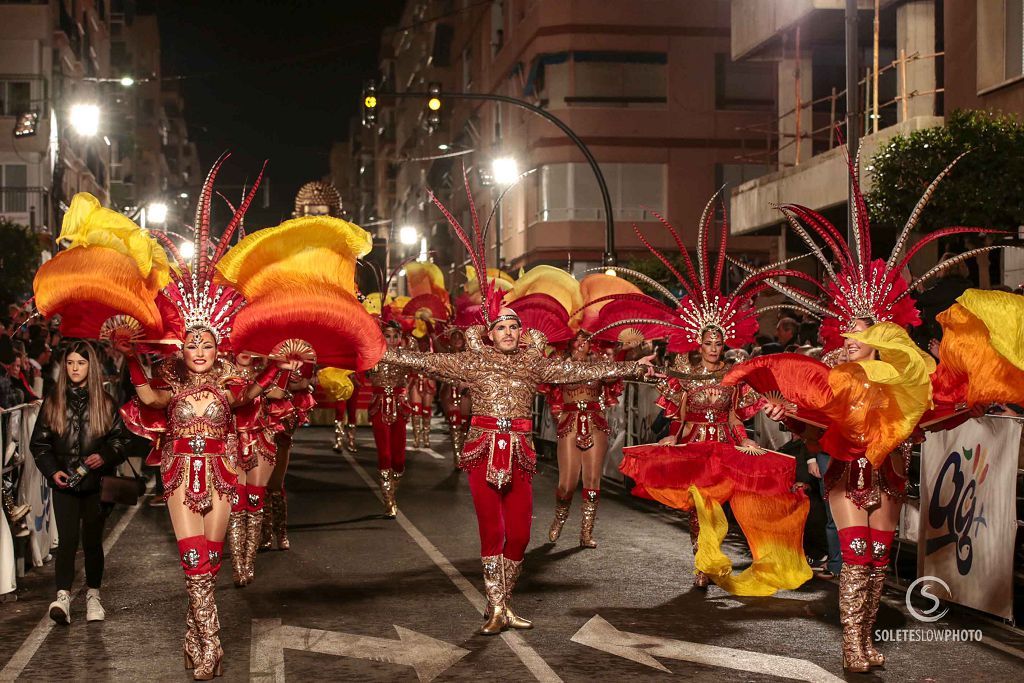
[(952, 511)]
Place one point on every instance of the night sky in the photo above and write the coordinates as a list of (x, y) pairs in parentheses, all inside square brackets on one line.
[(271, 80)]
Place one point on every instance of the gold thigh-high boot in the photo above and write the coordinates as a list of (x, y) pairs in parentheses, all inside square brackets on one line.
[(253, 529), (700, 579), (590, 500), (562, 506), (280, 519), (494, 589), (339, 436), (267, 527), (417, 427), (425, 412), (853, 599), (237, 523), (876, 584), (350, 435), (387, 492), (513, 568), (204, 612), (192, 647)]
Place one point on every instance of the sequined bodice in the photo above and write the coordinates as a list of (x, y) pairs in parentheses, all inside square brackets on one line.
[(582, 391), (213, 421), (710, 400), (388, 375)]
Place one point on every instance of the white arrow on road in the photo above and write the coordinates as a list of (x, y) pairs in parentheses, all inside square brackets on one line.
[(428, 656), (642, 649)]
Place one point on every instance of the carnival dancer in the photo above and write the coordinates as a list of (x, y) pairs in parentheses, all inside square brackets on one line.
[(389, 412), (871, 401), (338, 390), (114, 282), (455, 399), (422, 389), (708, 460), (287, 414), (256, 458), (503, 378), (428, 308), (582, 442)]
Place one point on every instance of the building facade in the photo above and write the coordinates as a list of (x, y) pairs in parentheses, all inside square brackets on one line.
[(930, 57), (648, 86)]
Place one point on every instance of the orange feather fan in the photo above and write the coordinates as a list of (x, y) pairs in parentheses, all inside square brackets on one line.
[(299, 281), (112, 267), (594, 288)]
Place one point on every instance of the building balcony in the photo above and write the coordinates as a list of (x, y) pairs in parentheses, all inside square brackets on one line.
[(819, 183)]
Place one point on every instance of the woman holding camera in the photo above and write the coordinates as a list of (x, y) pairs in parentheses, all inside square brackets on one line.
[(78, 438)]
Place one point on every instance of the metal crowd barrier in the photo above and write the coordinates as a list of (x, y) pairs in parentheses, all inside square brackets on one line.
[(16, 424)]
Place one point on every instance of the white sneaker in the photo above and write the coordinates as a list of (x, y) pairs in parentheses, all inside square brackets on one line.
[(93, 607), (60, 609)]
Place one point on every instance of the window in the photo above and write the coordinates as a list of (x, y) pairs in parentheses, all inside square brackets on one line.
[(619, 78), (15, 97), (467, 69), (13, 183), (1000, 43), (743, 85), (497, 26), (597, 78), (569, 192), (1013, 62), (732, 175)]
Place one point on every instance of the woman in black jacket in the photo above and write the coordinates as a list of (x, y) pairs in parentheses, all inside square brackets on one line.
[(78, 438)]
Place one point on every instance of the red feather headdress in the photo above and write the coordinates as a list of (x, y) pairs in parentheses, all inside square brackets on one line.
[(491, 297), (199, 303), (855, 286), (703, 307)]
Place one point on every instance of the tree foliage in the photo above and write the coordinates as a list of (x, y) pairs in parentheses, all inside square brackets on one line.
[(983, 190), (19, 259)]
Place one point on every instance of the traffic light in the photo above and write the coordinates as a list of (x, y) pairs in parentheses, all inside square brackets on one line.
[(433, 106), (369, 103)]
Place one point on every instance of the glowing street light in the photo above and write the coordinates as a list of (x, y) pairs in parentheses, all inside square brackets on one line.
[(187, 250), (505, 170), (85, 119), (156, 213), (127, 81), (408, 235), (611, 272)]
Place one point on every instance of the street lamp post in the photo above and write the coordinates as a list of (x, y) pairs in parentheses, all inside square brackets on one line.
[(504, 171), (852, 106), (609, 227)]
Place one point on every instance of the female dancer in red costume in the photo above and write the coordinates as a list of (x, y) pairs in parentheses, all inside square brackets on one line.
[(422, 390), (121, 288), (582, 442), (287, 414), (345, 418), (871, 399), (389, 413), (256, 457), (708, 460), (455, 399)]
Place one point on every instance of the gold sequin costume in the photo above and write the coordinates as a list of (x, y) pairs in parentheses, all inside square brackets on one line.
[(502, 387), (388, 382)]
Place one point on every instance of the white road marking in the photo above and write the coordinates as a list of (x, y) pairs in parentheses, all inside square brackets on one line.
[(526, 654), (642, 649), (430, 657), (20, 659)]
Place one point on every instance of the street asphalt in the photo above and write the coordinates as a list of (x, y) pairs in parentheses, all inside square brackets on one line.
[(362, 597)]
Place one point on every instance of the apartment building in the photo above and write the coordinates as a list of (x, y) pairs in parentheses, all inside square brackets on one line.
[(648, 86), (932, 57), (54, 55)]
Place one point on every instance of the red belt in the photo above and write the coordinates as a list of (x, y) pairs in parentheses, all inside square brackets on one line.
[(582, 406), (503, 425), (198, 446), (502, 432), (388, 390)]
